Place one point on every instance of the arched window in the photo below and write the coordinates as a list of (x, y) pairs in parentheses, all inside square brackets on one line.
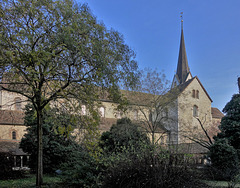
[(102, 111), (14, 135), (162, 140), (150, 116), (195, 111), (135, 115), (18, 105), (197, 94), (165, 112), (193, 93)]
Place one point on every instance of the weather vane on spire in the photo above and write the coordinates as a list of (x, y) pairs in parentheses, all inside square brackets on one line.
[(181, 19)]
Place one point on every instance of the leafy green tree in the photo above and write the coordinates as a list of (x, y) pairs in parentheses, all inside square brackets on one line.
[(56, 146), (53, 49), (124, 136), (230, 123)]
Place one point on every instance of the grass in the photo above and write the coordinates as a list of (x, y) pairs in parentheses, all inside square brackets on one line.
[(55, 182), (30, 181), (218, 184)]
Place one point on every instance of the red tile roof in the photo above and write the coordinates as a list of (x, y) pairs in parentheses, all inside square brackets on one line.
[(10, 117), (216, 113), (11, 147)]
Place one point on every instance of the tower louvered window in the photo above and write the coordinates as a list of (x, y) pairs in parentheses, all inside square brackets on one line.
[(193, 93), (197, 94)]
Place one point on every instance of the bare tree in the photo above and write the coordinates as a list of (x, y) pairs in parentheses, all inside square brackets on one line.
[(202, 137), (153, 100)]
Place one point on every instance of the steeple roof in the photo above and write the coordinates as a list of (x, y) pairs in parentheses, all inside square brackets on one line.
[(182, 67)]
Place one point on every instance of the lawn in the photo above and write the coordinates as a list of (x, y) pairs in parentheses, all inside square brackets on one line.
[(218, 184), (29, 181)]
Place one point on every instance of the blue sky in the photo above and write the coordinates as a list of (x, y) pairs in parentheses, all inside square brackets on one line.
[(152, 29)]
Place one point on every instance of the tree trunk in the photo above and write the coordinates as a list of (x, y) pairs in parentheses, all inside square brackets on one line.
[(153, 145), (39, 178), (153, 138)]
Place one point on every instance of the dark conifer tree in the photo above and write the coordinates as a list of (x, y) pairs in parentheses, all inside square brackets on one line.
[(230, 124), (56, 146)]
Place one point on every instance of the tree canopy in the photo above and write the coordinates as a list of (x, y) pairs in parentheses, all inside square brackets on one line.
[(48, 46)]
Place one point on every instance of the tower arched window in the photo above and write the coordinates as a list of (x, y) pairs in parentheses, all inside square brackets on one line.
[(18, 103), (195, 111), (14, 135)]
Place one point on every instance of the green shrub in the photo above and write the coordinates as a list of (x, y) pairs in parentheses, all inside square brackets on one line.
[(131, 161), (148, 171), (80, 170), (224, 160), (124, 135)]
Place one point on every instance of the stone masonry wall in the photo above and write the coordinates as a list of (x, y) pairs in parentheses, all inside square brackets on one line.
[(187, 123)]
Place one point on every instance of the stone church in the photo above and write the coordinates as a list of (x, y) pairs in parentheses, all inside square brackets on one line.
[(190, 107)]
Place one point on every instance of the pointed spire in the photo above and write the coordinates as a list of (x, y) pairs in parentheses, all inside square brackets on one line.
[(183, 72), (182, 67), (181, 20)]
